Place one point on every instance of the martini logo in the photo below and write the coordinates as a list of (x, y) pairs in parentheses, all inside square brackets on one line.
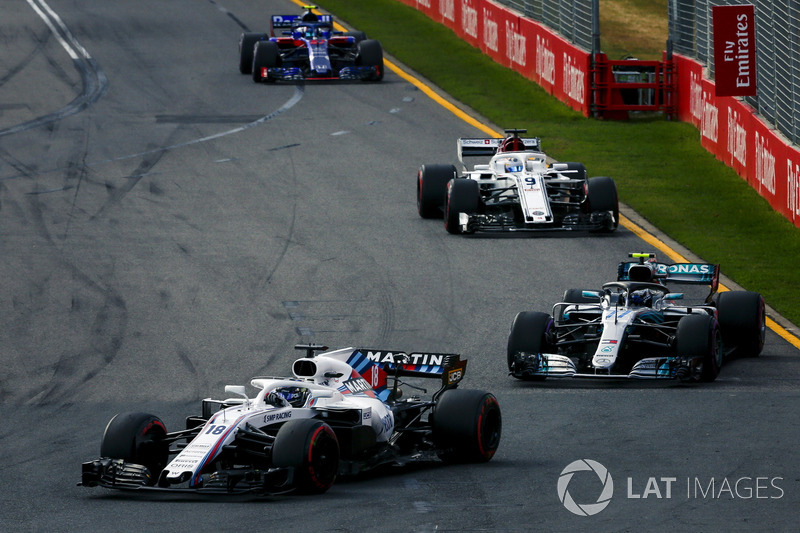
[(585, 509)]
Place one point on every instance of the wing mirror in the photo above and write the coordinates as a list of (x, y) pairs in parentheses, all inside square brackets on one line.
[(238, 390), (592, 294), (673, 296)]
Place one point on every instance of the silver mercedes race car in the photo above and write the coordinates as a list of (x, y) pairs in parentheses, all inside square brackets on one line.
[(518, 190), (637, 327), (342, 412)]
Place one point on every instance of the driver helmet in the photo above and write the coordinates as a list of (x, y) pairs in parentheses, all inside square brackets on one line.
[(641, 298), (296, 396), (303, 31), (511, 144), (514, 165)]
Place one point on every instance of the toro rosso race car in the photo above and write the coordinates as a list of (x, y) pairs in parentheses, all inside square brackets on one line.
[(342, 412), (308, 49), (516, 191), (636, 327)]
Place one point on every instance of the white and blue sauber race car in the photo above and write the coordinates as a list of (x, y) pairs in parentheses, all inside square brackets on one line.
[(342, 412), (636, 327), (518, 190)]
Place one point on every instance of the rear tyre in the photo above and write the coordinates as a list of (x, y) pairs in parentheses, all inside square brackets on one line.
[(265, 55), (743, 322), (575, 296), (467, 426), (310, 448), (357, 35), (247, 43), (699, 335), (432, 189), (463, 196), (370, 54), (137, 438), (602, 196), (528, 334), (575, 171)]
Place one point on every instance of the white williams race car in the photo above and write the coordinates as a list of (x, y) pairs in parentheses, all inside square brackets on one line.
[(516, 191), (636, 327), (342, 412)]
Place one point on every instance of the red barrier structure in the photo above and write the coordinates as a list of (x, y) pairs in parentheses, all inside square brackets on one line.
[(734, 133)]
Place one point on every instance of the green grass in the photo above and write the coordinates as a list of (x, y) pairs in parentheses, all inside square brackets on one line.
[(660, 168)]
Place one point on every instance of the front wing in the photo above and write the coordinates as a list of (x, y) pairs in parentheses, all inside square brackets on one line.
[(596, 221), (541, 366), (121, 475), (352, 73)]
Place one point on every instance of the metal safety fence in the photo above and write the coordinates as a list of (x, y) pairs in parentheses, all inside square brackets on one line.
[(571, 18), (777, 99)]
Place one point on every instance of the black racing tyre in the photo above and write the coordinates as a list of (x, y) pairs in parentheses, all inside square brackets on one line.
[(527, 334), (602, 196), (699, 335), (575, 171), (432, 189), (575, 296), (370, 54), (467, 426), (358, 35), (463, 196), (265, 55), (137, 438), (743, 322), (310, 448), (247, 43)]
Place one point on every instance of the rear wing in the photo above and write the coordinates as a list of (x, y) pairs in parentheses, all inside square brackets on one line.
[(473, 147), (286, 21), (377, 366), (654, 271)]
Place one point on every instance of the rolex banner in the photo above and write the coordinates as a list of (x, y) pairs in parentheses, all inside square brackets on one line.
[(734, 50)]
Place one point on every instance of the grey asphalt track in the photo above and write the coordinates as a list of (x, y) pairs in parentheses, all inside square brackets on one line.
[(168, 227)]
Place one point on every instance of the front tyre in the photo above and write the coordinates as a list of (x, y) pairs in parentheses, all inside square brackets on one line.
[(699, 336), (432, 189), (310, 448), (527, 335), (467, 426), (463, 196), (247, 43), (742, 320), (137, 438), (265, 55), (370, 54), (601, 196)]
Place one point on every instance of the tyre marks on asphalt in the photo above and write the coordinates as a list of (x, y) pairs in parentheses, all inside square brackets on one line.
[(44, 288), (93, 79), (144, 167), (297, 95), (72, 369), (233, 17), (25, 61)]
